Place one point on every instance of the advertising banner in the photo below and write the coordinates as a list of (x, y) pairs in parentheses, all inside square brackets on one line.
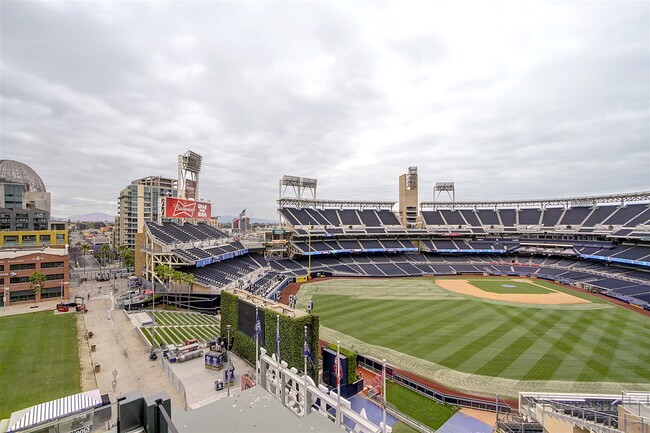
[(179, 208)]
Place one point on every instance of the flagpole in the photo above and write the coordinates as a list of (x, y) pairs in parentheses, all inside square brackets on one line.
[(338, 384), (305, 356), (383, 390), (277, 343), (257, 346)]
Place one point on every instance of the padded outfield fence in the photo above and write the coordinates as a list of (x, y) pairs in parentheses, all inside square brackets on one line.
[(438, 396)]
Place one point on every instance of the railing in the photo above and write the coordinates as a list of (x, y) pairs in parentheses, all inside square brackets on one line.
[(176, 381)]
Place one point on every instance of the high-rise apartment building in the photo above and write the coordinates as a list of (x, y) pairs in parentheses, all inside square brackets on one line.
[(138, 203)]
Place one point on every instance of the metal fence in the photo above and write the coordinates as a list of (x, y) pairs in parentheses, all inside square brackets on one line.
[(176, 381)]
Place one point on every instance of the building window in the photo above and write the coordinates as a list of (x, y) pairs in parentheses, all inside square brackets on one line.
[(60, 239), (51, 292), (5, 222), (2, 268), (44, 240), (22, 295), (52, 265), (2, 281), (22, 266), (22, 221), (18, 280), (29, 240), (11, 241), (54, 277)]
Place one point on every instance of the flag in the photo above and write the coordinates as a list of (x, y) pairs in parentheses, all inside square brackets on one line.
[(242, 213), (307, 352), (277, 342), (258, 325), (338, 371)]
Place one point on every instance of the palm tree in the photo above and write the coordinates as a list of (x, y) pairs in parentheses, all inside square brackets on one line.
[(36, 281), (164, 273), (190, 280), (84, 250), (186, 277), (105, 251)]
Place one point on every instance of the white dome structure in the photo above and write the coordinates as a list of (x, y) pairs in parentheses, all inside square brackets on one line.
[(17, 172)]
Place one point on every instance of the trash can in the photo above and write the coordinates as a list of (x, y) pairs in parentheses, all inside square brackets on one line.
[(93, 347), (97, 367)]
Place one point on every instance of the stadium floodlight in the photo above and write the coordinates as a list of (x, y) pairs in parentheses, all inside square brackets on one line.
[(441, 187), (412, 178), (191, 161), (299, 185)]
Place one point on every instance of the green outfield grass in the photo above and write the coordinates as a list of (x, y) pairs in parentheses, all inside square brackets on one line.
[(39, 359), (594, 342), (520, 287), (176, 327)]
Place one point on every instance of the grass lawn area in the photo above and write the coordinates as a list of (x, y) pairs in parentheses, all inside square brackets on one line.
[(594, 342), (400, 427), (418, 406), (39, 359), (496, 286)]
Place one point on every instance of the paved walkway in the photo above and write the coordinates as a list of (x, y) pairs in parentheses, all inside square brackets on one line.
[(120, 360)]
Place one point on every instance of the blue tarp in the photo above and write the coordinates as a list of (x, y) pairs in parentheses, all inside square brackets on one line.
[(461, 423)]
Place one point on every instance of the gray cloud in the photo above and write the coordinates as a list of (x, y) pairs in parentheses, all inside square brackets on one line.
[(512, 103)]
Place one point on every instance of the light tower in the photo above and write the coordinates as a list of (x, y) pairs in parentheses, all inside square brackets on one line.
[(189, 167), (300, 185), (441, 187), (408, 198)]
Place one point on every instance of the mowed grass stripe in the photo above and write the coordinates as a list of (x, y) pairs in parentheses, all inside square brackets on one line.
[(531, 331), (522, 342), (447, 336), (547, 365), (489, 336)]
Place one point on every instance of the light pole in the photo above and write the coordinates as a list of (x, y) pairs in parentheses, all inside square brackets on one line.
[(383, 390), (338, 383), (153, 307), (229, 363)]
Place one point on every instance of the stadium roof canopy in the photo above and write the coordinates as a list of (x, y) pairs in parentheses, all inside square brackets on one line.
[(621, 199)]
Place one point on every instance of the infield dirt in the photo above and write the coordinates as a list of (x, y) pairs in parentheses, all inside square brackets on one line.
[(464, 287)]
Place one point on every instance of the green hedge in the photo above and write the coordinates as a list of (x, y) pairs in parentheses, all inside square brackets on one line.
[(291, 335), (352, 362)]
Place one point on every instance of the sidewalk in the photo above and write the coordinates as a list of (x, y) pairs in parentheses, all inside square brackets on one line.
[(120, 361), (44, 305)]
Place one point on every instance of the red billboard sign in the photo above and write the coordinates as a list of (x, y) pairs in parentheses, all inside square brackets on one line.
[(179, 208)]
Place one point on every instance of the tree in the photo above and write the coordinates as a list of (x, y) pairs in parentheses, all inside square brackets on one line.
[(185, 277), (36, 282), (164, 273), (84, 248), (190, 280), (105, 252), (127, 255)]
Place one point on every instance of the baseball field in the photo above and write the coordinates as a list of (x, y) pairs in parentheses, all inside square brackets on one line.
[(488, 335)]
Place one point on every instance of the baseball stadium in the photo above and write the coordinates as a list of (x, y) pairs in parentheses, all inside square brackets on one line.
[(471, 303)]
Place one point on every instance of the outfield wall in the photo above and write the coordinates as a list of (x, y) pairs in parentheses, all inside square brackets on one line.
[(419, 386)]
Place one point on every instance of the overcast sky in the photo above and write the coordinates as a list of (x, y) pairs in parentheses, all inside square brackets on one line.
[(507, 99)]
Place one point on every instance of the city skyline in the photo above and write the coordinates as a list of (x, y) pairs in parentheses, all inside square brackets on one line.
[(510, 101)]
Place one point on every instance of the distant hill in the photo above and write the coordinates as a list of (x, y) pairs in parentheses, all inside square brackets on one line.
[(91, 217)]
